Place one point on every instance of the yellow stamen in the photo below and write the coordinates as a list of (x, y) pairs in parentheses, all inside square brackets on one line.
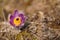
[(17, 21)]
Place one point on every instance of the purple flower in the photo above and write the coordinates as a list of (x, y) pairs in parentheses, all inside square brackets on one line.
[(17, 19)]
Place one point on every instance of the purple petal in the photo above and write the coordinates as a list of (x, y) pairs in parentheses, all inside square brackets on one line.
[(22, 17), (11, 16), (16, 12), (11, 19)]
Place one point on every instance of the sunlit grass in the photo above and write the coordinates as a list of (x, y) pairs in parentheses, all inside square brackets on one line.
[(25, 36)]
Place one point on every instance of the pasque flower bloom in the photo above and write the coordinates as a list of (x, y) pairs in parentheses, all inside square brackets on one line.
[(17, 19)]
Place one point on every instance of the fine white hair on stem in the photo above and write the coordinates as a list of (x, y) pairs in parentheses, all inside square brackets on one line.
[(9, 17)]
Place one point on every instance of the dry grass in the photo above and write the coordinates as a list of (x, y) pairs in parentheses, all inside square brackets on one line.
[(44, 16)]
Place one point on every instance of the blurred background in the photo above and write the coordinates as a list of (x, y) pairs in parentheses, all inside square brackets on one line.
[(44, 16)]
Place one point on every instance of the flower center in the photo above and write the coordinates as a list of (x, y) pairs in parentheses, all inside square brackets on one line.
[(17, 21)]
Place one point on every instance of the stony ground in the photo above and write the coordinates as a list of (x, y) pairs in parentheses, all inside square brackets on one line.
[(43, 16)]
